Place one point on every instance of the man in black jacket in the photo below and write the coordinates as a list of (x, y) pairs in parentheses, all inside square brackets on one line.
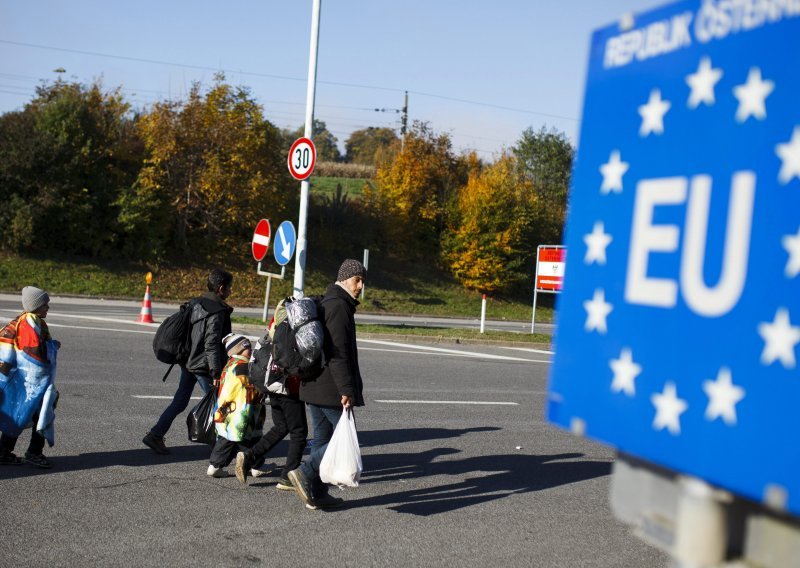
[(338, 387), (211, 321)]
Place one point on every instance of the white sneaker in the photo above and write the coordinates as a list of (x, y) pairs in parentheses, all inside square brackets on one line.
[(214, 471), (260, 472)]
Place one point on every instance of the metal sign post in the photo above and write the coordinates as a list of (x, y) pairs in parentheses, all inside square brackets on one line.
[(270, 276), (300, 259)]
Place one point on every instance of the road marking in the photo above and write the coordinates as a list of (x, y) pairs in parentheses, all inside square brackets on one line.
[(529, 350), (50, 324), (456, 351), (446, 402), (457, 354), (407, 348), (159, 396), (93, 318)]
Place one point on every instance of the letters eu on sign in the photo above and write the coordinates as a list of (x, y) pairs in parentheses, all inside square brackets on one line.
[(679, 322)]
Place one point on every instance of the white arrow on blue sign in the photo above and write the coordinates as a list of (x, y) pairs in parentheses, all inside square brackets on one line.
[(285, 242), (679, 324)]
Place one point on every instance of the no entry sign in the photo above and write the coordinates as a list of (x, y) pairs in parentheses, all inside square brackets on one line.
[(260, 242), (302, 158)]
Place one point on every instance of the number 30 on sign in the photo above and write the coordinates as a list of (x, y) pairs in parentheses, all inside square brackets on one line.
[(302, 158)]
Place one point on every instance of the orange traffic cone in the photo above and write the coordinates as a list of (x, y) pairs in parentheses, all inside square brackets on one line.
[(145, 315)]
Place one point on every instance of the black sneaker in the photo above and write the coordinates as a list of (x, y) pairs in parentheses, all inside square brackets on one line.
[(284, 484), (155, 443), (328, 502), (302, 486), (10, 459), (38, 460), (243, 463)]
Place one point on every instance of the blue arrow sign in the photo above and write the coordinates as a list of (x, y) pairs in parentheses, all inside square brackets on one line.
[(285, 242), (679, 324)]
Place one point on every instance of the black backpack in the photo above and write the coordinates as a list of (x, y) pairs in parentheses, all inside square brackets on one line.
[(173, 340), (286, 355), (278, 356)]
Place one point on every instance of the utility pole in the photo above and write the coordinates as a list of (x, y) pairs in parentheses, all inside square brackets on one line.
[(302, 242), (404, 119)]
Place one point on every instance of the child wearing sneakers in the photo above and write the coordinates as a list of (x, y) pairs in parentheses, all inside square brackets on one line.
[(239, 414)]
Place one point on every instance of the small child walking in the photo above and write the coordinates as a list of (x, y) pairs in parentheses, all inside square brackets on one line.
[(240, 412)]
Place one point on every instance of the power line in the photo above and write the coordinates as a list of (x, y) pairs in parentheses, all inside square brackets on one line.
[(282, 77)]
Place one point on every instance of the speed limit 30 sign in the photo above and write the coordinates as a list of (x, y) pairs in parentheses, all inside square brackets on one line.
[(302, 158)]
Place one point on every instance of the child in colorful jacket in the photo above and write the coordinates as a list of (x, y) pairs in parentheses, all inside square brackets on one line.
[(27, 380), (239, 414)]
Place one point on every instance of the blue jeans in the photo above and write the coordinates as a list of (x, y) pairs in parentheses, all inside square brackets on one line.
[(181, 400), (323, 421)]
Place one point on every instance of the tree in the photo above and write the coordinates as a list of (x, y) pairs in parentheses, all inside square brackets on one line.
[(484, 248), (325, 142), (544, 160), (214, 165), (63, 161), (363, 145), (413, 189)]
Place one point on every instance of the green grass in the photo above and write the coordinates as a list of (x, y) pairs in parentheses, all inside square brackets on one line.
[(353, 187), (393, 286)]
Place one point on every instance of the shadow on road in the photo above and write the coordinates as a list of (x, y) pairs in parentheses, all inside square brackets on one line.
[(96, 460), (370, 438), (481, 478)]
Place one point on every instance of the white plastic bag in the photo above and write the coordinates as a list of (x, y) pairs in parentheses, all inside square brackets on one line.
[(341, 464)]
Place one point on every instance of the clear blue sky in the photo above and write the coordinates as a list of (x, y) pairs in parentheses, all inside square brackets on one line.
[(525, 55)]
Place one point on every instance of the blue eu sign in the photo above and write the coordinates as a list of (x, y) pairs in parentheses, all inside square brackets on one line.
[(679, 324)]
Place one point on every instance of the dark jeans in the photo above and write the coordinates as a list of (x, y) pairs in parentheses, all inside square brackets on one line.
[(323, 421), (181, 400), (288, 417), (35, 446), (224, 451)]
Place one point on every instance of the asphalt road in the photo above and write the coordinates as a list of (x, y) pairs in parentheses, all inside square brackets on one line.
[(460, 469)]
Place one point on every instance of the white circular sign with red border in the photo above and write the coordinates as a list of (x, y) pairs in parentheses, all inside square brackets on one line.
[(260, 242), (302, 158)]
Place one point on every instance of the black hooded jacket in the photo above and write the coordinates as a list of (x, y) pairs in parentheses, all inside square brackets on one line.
[(211, 321), (341, 375)]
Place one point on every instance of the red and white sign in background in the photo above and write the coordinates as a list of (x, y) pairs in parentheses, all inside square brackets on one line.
[(260, 243), (550, 264)]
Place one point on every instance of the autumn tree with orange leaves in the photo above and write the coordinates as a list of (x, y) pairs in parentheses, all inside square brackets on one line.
[(484, 247), (414, 187), (214, 166)]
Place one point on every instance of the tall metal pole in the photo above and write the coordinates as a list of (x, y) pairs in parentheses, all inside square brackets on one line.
[(300, 255)]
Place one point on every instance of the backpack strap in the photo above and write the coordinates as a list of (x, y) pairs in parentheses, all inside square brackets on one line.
[(164, 378)]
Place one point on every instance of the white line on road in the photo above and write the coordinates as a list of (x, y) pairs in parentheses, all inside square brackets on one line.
[(159, 396), (446, 402), (94, 318), (442, 350), (407, 348), (529, 350), (455, 354), (51, 324)]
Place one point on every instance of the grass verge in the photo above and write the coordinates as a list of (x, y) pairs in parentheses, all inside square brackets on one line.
[(393, 287)]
